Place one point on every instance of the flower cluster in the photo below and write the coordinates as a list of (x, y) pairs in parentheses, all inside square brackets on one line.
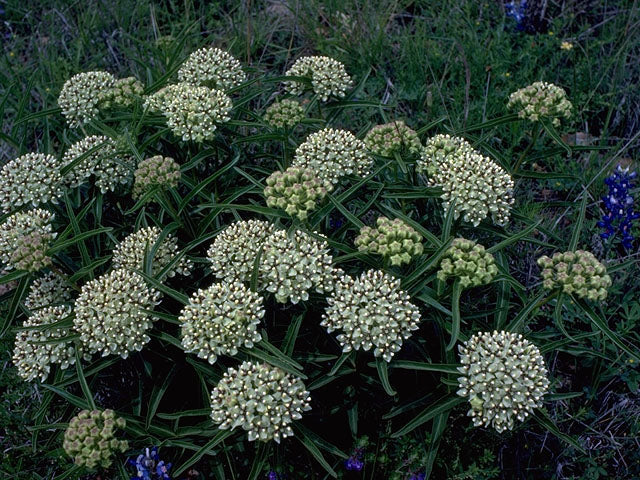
[(391, 138), (110, 313), (80, 96), (219, 319), (131, 252), (261, 399), (393, 239), (33, 178), (284, 114), (47, 290), (503, 376), (618, 204), (541, 100), (294, 263), (578, 273), (90, 438), (476, 184), (155, 174), (149, 466), (328, 77), (32, 357), (371, 311), (468, 262), (297, 191), (25, 238), (332, 154), (233, 251), (213, 68), (123, 93)]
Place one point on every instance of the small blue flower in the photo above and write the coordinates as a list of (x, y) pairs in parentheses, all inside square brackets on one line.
[(618, 203), (517, 10), (149, 466), (355, 462)]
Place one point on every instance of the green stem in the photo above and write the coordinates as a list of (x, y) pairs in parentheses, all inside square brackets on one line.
[(534, 138)]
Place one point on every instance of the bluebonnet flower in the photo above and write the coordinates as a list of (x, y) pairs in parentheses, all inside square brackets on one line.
[(618, 204), (418, 476), (149, 466), (355, 461), (275, 476), (517, 10)]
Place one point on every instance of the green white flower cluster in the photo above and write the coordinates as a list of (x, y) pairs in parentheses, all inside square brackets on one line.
[(130, 253), (213, 68), (371, 311), (297, 191), (328, 77), (155, 173), (578, 273), (31, 356), (393, 239), (220, 319), (331, 154), (261, 399), (80, 96), (90, 438), (541, 100), (391, 138), (110, 316), (25, 238), (284, 114), (47, 290), (478, 186), (503, 376), (33, 178), (124, 93), (468, 262)]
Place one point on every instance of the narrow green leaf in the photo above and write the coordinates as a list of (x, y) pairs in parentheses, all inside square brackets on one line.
[(84, 386), (383, 373), (429, 367), (303, 438), (542, 417), (206, 449), (443, 405), (577, 227), (455, 313)]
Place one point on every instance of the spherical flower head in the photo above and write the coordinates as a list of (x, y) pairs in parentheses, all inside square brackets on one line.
[(31, 179), (578, 273), (297, 191), (284, 114), (81, 95), (220, 319), (32, 358), (393, 239), (123, 93), (328, 77), (110, 316), (372, 312), (437, 149), (157, 173), (292, 264), (49, 289), (503, 376), (234, 250), (131, 252), (332, 154), (90, 439), (213, 68), (99, 156), (468, 262), (541, 100), (393, 138), (25, 238), (262, 399)]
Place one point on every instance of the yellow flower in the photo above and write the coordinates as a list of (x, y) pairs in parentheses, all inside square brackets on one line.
[(566, 46)]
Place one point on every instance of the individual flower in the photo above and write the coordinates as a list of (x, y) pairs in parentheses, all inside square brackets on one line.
[(234, 250), (25, 238), (260, 398), (284, 114), (504, 378), (157, 173), (355, 462), (220, 319), (468, 262), (619, 214), (332, 154), (31, 356), (80, 96), (213, 68), (90, 439), (391, 138), (575, 273), (328, 77), (123, 93), (371, 311), (541, 100), (149, 466), (49, 289), (566, 46), (31, 179), (297, 191), (292, 264), (393, 239), (478, 186), (111, 313), (131, 252)]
